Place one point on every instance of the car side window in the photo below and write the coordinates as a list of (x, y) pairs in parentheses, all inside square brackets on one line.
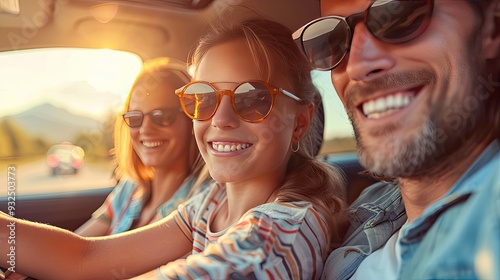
[(338, 135), (57, 116)]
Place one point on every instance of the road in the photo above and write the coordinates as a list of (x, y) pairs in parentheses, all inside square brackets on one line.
[(35, 177)]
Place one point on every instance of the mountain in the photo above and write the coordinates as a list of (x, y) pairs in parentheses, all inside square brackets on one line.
[(52, 123)]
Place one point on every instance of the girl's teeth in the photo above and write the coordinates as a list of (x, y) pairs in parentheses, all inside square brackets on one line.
[(382, 106), (229, 148), (152, 144)]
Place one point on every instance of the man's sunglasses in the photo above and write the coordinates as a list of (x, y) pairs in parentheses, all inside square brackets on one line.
[(252, 101), (326, 41), (161, 117)]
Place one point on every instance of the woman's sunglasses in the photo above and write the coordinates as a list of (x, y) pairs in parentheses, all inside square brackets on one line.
[(161, 117), (326, 41), (252, 101)]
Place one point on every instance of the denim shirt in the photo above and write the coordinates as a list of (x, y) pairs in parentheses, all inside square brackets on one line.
[(124, 204), (455, 238)]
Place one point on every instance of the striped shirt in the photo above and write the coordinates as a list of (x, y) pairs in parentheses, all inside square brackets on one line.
[(272, 241)]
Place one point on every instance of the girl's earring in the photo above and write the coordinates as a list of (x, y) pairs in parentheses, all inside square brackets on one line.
[(295, 149)]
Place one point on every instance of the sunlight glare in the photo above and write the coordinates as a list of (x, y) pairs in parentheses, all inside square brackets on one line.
[(68, 78)]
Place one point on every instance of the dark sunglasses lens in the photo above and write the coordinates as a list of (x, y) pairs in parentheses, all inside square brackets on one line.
[(252, 101), (163, 117), (326, 42), (398, 21), (133, 119), (200, 101)]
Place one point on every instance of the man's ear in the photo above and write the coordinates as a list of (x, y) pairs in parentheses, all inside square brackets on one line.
[(304, 119), (491, 30)]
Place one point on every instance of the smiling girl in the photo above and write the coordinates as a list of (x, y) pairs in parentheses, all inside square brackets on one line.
[(271, 211)]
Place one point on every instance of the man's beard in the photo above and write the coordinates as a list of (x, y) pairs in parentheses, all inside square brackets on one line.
[(444, 128), (401, 157)]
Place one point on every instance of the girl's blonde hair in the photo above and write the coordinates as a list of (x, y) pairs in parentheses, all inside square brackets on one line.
[(273, 49), (129, 164)]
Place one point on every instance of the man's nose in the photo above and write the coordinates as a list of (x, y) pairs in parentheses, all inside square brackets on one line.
[(368, 56)]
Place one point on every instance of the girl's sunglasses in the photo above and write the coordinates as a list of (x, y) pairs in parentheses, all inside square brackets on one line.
[(326, 41), (161, 117), (252, 101)]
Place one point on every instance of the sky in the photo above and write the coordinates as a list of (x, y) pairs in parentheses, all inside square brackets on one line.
[(67, 78), (76, 78)]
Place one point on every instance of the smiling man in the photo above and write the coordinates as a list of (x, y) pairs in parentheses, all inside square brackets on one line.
[(420, 82)]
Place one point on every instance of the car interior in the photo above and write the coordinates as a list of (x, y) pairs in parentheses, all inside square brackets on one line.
[(33, 34)]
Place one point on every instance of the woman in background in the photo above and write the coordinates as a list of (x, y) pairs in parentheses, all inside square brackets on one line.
[(158, 161)]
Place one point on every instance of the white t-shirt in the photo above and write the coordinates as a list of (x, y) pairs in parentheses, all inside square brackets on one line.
[(382, 264)]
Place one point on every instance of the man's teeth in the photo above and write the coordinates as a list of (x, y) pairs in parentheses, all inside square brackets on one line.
[(152, 144), (382, 106), (229, 148)]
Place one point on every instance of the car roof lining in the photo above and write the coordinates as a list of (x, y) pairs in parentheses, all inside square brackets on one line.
[(134, 27)]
